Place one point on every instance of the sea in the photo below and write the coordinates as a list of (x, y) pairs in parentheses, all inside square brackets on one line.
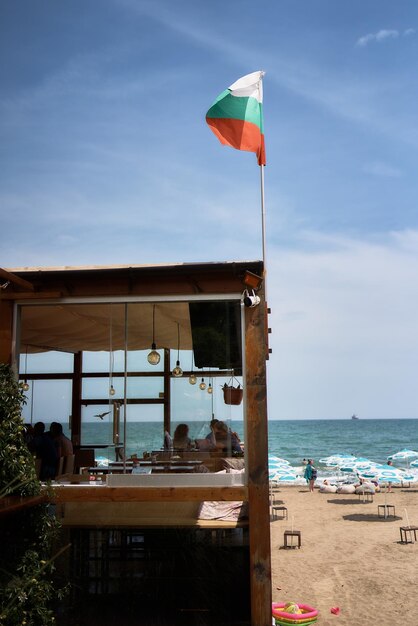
[(293, 440)]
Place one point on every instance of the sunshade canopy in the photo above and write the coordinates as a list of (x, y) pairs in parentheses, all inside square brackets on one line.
[(91, 327)]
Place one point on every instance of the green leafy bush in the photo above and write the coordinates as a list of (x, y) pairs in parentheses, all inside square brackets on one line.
[(27, 592)]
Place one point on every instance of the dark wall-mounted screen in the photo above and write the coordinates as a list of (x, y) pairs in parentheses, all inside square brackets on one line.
[(216, 333)]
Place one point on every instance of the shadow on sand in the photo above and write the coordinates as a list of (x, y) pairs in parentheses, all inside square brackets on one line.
[(363, 517), (347, 501)]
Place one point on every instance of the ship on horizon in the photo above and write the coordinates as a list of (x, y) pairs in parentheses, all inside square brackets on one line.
[(354, 417)]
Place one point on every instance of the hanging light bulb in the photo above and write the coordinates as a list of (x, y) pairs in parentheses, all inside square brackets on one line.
[(192, 377), (210, 388), (111, 356), (202, 385), (177, 371), (25, 384), (153, 356)]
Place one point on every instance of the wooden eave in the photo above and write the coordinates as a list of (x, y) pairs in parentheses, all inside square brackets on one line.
[(135, 280)]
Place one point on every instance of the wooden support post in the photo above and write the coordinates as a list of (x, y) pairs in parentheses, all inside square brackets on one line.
[(257, 445), (6, 331), (167, 392), (76, 399)]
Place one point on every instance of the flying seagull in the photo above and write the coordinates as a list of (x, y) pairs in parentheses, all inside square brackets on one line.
[(101, 415)]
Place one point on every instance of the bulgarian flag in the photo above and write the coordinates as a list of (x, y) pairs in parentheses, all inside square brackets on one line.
[(236, 116)]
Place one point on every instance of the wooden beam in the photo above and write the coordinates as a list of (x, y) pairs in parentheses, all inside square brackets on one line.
[(33, 295), (95, 401), (146, 280), (78, 493), (159, 373), (6, 332), (76, 399), (16, 280), (257, 457)]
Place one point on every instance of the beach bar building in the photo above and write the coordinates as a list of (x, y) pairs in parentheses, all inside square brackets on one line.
[(113, 353)]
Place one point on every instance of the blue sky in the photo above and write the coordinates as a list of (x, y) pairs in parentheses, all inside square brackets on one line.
[(105, 158)]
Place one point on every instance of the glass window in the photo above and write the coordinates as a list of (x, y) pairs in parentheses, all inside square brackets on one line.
[(51, 362), (48, 401), (103, 361), (185, 419)]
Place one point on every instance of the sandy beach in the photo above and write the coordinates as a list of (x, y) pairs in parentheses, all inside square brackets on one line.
[(350, 558)]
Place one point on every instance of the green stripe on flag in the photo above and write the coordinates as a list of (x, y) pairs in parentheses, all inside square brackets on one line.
[(233, 107)]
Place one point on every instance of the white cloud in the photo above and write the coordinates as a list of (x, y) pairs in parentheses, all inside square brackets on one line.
[(353, 100), (345, 332), (381, 35), (377, 168)]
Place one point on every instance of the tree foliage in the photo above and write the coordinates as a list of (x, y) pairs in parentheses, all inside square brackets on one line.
[(26, 568), (17, 470)]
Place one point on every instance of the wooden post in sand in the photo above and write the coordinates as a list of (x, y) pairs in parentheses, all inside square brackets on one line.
[(258, 482), (407, 519)]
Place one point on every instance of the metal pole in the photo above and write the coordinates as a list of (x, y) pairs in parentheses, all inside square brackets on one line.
[(263, 229), (263, 215), (125, 388), (31, 402)]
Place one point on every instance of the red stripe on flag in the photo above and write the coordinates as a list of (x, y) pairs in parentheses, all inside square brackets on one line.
[(239, 134)]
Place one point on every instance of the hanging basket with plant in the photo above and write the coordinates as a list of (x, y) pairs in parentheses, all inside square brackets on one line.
[(232, 395)]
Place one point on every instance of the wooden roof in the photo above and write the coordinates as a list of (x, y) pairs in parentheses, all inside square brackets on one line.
[(83, 325), (139, 280)]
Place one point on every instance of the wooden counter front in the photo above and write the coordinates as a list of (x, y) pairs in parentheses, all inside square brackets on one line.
[(102, 493), (11, 504)]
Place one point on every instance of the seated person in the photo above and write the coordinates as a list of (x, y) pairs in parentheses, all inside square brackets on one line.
[(211, 436), (45, 449), (62, 442), (226, 440), (168, 441), (181, 439)]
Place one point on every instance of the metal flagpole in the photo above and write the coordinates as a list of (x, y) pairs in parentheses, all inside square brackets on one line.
[(125, 387), (263, 207), (263, 228), (263, 213)]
